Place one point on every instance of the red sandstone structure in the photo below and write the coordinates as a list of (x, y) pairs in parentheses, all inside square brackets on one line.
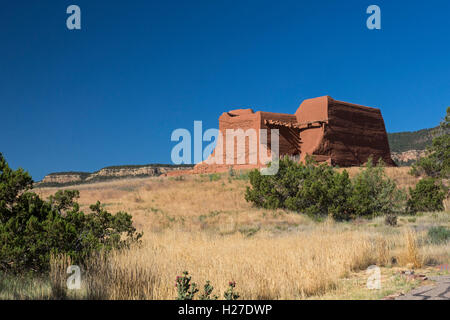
[(337, 132)]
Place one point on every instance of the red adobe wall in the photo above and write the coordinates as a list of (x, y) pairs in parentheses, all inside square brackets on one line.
[(248, 119), (356, 133), (351, 135), (312, 140), (337, 132)]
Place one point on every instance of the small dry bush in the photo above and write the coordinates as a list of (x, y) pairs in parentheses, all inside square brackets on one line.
[(383, 252), (410, 255)]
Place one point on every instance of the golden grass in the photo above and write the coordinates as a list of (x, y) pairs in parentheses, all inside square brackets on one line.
[(195, 203), (294, 265), (207, 228), (410, 256), (264, 266)]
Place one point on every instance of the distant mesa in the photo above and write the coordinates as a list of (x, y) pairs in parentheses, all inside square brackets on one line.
[(58, 179)]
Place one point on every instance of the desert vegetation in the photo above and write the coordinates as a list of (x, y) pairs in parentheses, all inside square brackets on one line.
[(308, 232), (204, 225), (320, 190)]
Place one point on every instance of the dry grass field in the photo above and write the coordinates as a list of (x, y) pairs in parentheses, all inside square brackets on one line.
[(202, 224)]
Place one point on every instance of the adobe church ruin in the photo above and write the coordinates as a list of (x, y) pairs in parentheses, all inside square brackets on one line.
[(337, 132)]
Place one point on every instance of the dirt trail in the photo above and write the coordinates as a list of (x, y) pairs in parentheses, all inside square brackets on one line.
[(437, 291)]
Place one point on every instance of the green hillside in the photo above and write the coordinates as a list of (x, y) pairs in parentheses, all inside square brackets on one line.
[(410, 140)]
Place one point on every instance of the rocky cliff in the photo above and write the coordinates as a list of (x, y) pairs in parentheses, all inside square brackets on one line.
[(108, 173), (64, 177), (407, 158)]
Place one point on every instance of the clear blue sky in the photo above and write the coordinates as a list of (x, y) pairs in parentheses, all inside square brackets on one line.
[(113, 92)]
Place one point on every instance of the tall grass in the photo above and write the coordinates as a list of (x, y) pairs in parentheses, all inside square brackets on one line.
[(294, 266), (264, 267), (411, 256), (200, 226)]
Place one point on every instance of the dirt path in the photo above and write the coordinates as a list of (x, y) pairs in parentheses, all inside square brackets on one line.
[(437, 291)]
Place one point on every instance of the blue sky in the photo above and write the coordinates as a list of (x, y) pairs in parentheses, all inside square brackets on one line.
[(113, 92)]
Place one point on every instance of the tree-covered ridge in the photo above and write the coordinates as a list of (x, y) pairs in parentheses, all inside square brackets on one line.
[(410, 140)]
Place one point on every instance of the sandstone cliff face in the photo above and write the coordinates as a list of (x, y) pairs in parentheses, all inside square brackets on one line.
[(407, 157), (110, 173), (63, 178), (124, 172)]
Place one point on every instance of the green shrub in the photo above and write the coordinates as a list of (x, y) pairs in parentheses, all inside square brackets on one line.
[(310, 188), (438, 235), (187, 290), (230, 294), (321, 190), (436, 163), (207, 292), (31, 229), (427, 195), (374, 193)]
